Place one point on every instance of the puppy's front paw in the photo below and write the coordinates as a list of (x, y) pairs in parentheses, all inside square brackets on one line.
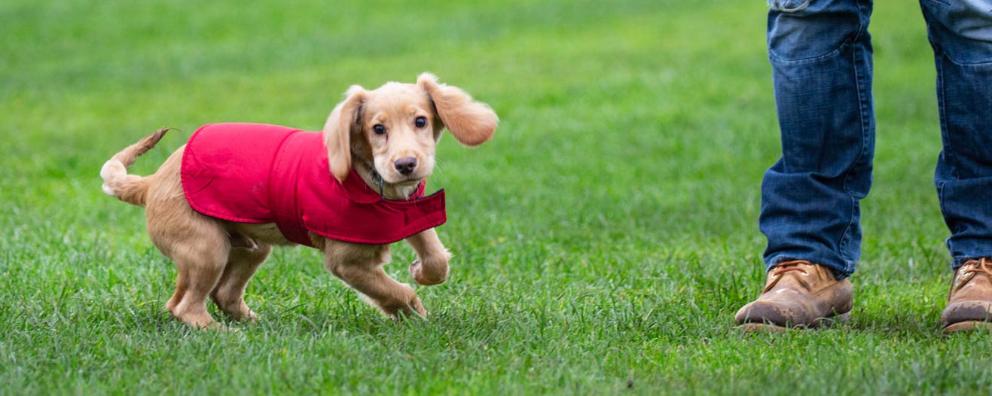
[(429, 272)]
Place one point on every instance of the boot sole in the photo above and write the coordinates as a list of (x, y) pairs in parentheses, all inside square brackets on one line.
[(824, 322), (971, 325)]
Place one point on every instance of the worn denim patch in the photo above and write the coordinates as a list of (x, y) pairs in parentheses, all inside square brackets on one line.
[(961, 29), (818, 30), (788, 5)]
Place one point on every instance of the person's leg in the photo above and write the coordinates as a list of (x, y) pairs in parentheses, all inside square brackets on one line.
[(961, 35), (821, 59), (820, 53)]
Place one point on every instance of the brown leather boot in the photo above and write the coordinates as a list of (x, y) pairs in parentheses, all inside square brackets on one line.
[(797, 294), (969, 304)]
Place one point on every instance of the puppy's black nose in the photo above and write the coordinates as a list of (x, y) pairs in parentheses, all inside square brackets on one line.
[(406, 165)]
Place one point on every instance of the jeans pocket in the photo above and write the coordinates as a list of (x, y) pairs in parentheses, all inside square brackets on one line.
[(788, 5)]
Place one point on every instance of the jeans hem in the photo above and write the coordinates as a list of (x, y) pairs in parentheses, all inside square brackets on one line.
[(842, 269), (957, 261)]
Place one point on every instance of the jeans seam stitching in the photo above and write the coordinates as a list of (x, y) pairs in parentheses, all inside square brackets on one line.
[(861, 109), (861, 118), (846, 237), (942, 110), (940, 198)]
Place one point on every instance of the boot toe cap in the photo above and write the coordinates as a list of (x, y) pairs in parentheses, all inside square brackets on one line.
[(966, 311), (770, 313)]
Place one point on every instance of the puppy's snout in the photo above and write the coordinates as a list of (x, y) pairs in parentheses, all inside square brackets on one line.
[(405, 166)]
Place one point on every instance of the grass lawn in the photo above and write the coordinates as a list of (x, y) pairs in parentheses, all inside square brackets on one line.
[(602, 241)]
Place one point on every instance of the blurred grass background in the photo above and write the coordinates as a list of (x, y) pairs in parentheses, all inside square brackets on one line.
[(602, 241)]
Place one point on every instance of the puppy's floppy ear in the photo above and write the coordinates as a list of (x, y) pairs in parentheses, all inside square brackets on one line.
[(471, 122), (338, 129)]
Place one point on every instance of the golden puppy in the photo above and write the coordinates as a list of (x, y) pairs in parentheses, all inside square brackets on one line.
[(384, 138)]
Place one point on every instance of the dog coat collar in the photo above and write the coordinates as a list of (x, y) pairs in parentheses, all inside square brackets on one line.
[(257, 173)]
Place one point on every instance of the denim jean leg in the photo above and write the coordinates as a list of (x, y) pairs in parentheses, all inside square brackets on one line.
[(961, 36), (821, 59)]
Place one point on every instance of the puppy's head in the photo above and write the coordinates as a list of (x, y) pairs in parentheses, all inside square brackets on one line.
[(395, 127)]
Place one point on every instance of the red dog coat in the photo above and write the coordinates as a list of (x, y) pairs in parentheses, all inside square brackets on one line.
[(255, 173)]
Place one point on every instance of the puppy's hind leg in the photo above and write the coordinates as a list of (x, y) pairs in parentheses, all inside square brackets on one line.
[(200, 269), (198, 245), (230, 290), (199, 265), (181, 282)]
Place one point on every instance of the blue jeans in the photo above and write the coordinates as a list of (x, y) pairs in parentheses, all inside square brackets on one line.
[(821, 57)]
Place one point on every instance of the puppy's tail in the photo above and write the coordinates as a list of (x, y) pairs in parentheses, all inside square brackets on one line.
[(116, 181)]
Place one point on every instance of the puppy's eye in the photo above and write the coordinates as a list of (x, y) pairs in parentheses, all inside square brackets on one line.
[(379, 129), (420, 122)]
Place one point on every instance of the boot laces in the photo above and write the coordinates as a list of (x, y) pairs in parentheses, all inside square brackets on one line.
[(971, 268), (780, 269)]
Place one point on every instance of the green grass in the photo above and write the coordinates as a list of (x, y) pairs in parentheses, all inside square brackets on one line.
[(602, 241)]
